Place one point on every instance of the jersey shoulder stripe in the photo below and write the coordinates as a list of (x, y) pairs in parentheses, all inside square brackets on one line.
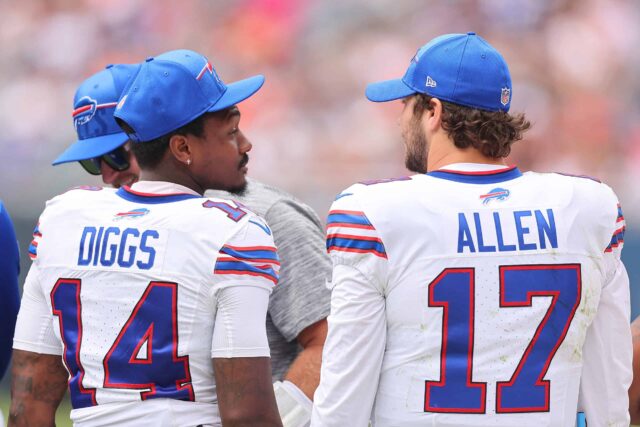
[(617, 239), (359, 244), (259, 261), (252, 253), (620, 215), (33, 247), (351, 219)]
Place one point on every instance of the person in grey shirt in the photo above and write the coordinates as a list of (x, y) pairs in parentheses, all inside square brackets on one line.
[(299, 304)]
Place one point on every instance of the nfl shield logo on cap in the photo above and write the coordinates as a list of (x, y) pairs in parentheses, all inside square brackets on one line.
[(505, 96)]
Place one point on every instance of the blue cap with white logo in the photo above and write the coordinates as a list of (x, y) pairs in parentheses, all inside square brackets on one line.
[(460, 68), (174, 89), (93, 107)]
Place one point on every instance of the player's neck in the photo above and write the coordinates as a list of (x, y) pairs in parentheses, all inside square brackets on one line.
[(443, 152), (170, 174)]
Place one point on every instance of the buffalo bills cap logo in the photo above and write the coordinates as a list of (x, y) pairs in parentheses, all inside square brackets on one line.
[(500, 194), (84, 110), (208, 68), (121, 102)]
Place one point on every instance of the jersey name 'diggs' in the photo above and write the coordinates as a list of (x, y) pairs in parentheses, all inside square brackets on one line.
[(106, 246), (524, 230)]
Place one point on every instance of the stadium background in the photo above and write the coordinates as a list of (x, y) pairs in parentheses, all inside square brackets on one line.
[(574, 63)]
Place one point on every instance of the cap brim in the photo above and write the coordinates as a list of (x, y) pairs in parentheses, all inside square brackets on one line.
[(237, 92), (91, 147), (388, 90)]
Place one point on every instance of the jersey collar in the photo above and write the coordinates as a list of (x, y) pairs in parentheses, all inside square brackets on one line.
[(476, 173), (156, 192)]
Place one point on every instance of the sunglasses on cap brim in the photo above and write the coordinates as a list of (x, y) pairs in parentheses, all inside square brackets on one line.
[(117, 159)]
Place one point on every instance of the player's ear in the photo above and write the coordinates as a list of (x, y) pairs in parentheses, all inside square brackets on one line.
[(181, 148), (432, 117)]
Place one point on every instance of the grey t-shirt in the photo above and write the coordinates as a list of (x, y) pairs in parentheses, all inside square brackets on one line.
[(301, 297)]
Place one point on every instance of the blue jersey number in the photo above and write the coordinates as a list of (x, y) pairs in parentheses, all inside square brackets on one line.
[(526, 391), (158, 370), (453, 290), (143, 357), (65, 300), (233, 213)]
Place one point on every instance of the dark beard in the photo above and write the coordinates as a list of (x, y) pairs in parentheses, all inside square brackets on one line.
[(239, 190), (416, 142)]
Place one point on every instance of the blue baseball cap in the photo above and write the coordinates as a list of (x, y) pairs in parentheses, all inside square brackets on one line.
[(93, 107), (175, 88), (460, 68)]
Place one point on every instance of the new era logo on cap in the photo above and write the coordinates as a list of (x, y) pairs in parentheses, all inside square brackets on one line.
[(459, 68)]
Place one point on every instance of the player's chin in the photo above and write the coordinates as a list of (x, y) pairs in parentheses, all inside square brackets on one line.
[(125, 181), (238, 187)]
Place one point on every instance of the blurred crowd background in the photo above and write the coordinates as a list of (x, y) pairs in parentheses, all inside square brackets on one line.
[(575, 65)]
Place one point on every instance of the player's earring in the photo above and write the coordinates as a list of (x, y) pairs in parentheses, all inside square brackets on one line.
[(189, 162)]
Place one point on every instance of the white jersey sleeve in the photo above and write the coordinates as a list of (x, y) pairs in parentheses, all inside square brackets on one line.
[(34, 327), (357, 323), (248, 258), (239, 329), (357, 327), (353, 240), (608, 351), (245, 272)]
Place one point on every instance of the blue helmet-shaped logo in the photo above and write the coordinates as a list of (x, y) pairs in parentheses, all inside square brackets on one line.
[(84, 110)]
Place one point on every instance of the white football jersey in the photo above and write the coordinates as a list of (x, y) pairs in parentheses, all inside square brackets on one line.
[(126, 285), (476, 297)]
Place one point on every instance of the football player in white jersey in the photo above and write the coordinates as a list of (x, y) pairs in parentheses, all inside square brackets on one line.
[(471, 293), (298, 306), (152, 297)]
